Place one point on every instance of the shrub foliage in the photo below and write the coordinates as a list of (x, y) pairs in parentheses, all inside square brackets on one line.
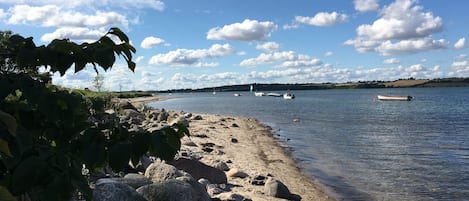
[(46, 135)]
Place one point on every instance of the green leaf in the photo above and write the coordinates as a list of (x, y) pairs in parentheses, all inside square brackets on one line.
[(4, 147), (140, 146), (117, 32), (119, 155), (5, 195), (105, 57), (8, 121), (23, 178), (93, 148)]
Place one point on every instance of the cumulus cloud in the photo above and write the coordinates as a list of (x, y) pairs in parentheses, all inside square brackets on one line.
[(55, 16), (285, 59), (150, 42), (2, 13), (391, 61), (410, 46), (188, 57), (248, 30), (268, 46), (366, 5), (323, 19), (75, 33), (328, 54), (403, 27), (460, 44), (124, 4), (460, 69)]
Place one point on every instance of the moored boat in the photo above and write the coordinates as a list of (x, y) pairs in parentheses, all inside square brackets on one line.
[(274, 94), (394, 98), (259, 94)]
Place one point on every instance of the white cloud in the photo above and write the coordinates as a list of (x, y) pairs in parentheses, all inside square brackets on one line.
[(402, 20), (404, 28), (323, 19), (287, 59), (55, 16), (268, 46), (411, 46), (328, 54), (460, 44), (2, 13), (461, 56), (248, 30), (73, 33), (150, 42), (391, 61), (460, 69), (366, 5), (188, 57), (124, 4)]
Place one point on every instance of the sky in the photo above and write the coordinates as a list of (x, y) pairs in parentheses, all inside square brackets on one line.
[(209, 43)]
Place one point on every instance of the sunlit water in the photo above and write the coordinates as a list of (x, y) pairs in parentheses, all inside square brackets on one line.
[(361, 149)]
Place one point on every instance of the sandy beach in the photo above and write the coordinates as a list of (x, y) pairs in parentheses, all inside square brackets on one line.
[(249, 147)]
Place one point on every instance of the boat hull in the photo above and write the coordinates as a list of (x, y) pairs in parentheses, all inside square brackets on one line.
[(394, 98)]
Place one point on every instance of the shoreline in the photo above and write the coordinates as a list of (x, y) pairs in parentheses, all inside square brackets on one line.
[(249, 146)]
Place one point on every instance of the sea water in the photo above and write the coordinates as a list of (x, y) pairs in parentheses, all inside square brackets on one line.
[(358, 148)]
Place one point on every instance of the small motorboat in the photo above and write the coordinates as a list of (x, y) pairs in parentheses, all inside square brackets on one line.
[(236, 94), (394, 98), (274, 94), (259, 94), (288, 95)]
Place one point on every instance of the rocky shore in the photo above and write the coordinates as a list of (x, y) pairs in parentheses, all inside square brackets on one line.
[(225, 158)]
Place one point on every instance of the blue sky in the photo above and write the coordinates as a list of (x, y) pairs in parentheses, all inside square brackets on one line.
[(207, 43)]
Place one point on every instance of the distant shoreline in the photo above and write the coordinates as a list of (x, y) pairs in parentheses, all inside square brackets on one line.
[(402, 83)]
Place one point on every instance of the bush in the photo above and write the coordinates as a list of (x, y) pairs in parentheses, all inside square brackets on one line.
[(46, 135)]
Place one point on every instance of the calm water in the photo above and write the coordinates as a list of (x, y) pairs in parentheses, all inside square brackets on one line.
[(360, 149)]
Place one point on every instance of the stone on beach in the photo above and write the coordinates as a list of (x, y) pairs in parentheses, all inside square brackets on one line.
[(235, 172), (110, 190), (159, 171), (200, 170)]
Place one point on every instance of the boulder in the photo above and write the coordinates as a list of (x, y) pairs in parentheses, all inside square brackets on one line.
[(234, 172), (171, 190), (200, 170), (221, 166), (133, 180), (179, 120), (126, 105), (133, 116), (159, 171), (110, 190), (276, 188), (198, 191)]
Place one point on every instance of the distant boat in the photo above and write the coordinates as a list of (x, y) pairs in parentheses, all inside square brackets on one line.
[(259, 94), (288, 95), (236, 94), (394, 98), (274, 94)]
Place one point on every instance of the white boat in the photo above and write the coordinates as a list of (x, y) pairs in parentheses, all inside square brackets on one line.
[(274, 94), (259, 94), (236, 94), (288, 96), (394, 98)]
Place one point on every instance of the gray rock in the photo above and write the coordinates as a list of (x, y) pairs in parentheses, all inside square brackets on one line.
[(203, 181), (126, 105), (110, 190), (171, 190), (198, 191), (221, 166), (200, 170), (276, 188), (159, 171), (179, 120), (133, 116), (197, 117), (229, 196), (133, 180)]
